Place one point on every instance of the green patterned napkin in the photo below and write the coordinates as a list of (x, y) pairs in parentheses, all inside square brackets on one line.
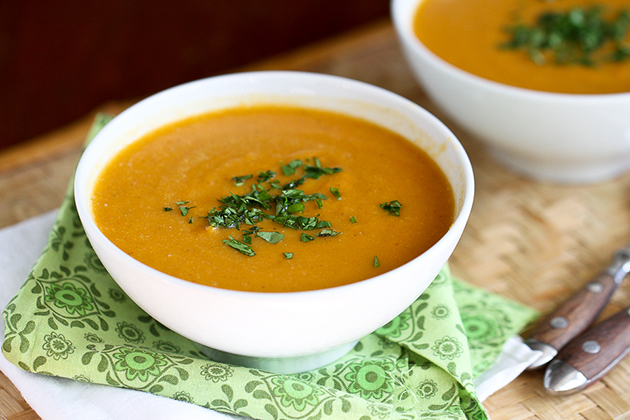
[(70, 319)]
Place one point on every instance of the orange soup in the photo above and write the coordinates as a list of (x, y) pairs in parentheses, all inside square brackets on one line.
[(273, 199), (471, 35)]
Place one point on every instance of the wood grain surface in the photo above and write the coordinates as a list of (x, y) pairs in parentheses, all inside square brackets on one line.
[(579, 311), (591, 364), (529, 241)]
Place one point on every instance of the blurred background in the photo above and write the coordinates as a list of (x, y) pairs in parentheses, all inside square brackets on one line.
[(61, 59)]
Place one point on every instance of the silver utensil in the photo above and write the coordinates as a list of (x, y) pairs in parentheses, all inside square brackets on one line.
[(577, 313), (590, 356)]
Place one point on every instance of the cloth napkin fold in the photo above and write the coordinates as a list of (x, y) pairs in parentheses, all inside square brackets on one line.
[(71, 320)]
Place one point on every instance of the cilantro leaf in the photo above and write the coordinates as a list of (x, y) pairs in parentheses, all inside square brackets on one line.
[(292, 167), (265, 176), (240, 180), (393, 207), (271, 237), (239, 246), (306, 238)]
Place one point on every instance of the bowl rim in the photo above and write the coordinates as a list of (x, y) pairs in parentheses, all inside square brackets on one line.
[(83, 170), (403, 25)]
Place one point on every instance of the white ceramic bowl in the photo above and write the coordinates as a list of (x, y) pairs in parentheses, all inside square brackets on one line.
[(283, 332), (565, 138)]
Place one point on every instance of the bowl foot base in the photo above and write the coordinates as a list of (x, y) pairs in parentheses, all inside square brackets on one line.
[(283, 365), (563, 173)]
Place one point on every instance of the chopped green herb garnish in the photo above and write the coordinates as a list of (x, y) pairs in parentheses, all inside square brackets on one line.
[(393, 207), (335, 192), (297, 222), (265, 176), (296, 208), (229, 217), (183, 209), (323, 224), (257, 205), (294, 184), (239, 246), (240, 180), (291, 168), (288, 255), (292, 201), (190, 220), (271, 237), (251, 199), (376, 263), (353, 220), (306, 238), (316, 171), (579, 35), (251, 230)]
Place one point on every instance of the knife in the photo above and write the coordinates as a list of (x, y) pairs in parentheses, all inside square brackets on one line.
[(590, 356), (579, 311)]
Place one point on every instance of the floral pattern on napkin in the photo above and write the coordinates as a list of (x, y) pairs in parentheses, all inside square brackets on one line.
[(70, 319)]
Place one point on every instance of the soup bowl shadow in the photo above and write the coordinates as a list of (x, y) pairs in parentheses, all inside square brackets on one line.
[(561, 138), (280, 332)]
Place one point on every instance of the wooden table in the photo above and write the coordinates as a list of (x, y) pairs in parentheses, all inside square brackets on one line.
[(529, 241)]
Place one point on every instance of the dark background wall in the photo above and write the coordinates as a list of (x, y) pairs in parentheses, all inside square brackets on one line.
[(60, 59)]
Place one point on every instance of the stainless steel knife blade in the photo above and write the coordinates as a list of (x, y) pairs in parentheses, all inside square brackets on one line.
[(589, 356), (577, 313)]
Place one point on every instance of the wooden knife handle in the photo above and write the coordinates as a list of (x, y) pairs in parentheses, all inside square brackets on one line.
[(600, 347), (577, 313)]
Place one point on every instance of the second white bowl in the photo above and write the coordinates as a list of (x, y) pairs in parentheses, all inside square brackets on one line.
[(565, 138)]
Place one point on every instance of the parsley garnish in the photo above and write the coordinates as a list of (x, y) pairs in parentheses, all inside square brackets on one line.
[(306, 238), (294, 184), (353, 220), (240, 180), (291, 168), (239, 246), (577, 36), (265, 176), (230, 217), (251, 230), (316, 171), (183, 209), (288, 255), (271, 237), (257, 205), (335, 192), (393, 207), (376, 263)]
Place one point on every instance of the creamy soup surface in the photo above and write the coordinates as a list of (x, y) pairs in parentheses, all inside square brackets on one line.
[(468, 34), (153, 199)]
